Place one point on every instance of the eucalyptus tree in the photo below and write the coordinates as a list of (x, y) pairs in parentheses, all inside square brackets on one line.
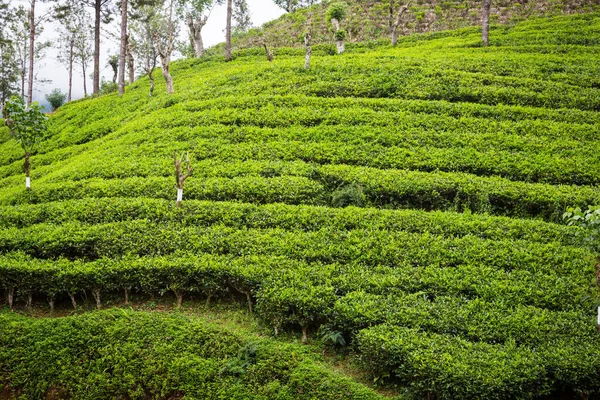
[(165, 35), (144, 30), (485, 22), (35, 22), (228, 30), (241, 16), (103, 12)]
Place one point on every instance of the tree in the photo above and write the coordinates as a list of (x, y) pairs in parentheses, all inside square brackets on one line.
[(8, 61), (485, 22), (56, 98), (241, 16), (228, 31), (123, 47), (143, 33), (83, 49), (34, 22), (336, 13), (165, 34), (394, 20), (102, 14), (73, 30), (196, 14), (28, 124)]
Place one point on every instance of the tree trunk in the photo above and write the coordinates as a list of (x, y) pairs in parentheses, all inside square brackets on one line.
[(126, 296), (31, 51), (29, 301), (97, 18), (209, 296), (24, 68), (73, 302), (195, 27), (228, 31), (179, 294), (51, 303), (130, 62), (10, 297), (179, 197), (96, 293), (308, 51), (84, 78), (123, 52), (268, 53), (27, 168), (339, 43), (71, 45), (485, 22), (304, 334), (151, 77), (166, 74), (394, 24)]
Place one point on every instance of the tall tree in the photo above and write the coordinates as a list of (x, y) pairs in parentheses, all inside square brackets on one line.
[(123, 47), (9, 65), (164, 37), (485, 22), (394, 19), (143, 43), (34, 22), (102, 14), (241, 16), (196, 14), (228, 31), (83, 49)]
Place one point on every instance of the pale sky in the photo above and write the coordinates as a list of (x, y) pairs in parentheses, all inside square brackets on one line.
[(261, 11)]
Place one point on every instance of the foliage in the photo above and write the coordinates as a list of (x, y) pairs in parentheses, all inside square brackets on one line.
[(588, 220), (27, 124), (337, 10), (439, 262), (56, 98), (107, 87)]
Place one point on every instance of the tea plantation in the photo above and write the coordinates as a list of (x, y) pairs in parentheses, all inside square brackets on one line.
[(407, 199)]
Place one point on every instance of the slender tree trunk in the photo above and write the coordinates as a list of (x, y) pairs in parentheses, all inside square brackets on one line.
[(96, 293), (126, 296), (228, 31), (208, 297), (51, 303), (10, 297), (123, 53), (97, 20), (24, 69), (31, 51), (305, 334), (27, 168), (269, 53), (485, 22), (151, 77), (130, 61), (71, 45), (73, 301), (308, 51), (29, 301), (84, 78)]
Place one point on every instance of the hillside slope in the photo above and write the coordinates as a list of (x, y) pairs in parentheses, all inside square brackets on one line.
[(406, 198), (369, 20)]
